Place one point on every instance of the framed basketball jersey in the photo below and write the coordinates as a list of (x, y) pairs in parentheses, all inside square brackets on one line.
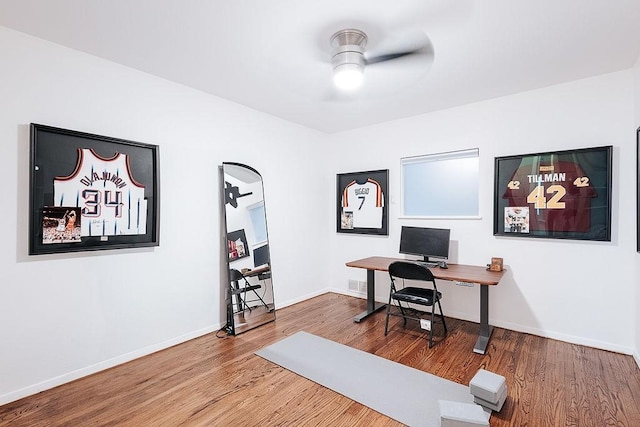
[(562, 194), (103, 189), (112, 202)]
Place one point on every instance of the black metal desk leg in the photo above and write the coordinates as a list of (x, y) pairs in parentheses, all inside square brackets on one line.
[(485, 328), (372, 305)]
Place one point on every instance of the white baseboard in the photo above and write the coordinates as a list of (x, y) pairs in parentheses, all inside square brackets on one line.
[(101, 366), (603, 345), (350, 293), (636, 356), (283, 304)]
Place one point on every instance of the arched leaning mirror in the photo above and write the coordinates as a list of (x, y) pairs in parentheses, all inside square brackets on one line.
[(249, 289)]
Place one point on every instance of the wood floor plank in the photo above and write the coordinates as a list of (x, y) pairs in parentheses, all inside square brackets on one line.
[(220, 381)]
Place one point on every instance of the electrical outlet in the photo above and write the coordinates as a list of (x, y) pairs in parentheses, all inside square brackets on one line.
[(354, 285), (425, 324)]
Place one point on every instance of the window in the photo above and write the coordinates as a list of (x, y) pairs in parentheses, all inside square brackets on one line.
[(441, 185), (258, 220)]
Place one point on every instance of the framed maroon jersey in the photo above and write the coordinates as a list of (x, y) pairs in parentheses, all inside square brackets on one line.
[(564, 194)]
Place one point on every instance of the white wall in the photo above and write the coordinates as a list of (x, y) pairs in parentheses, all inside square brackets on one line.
[(63, 321), (65, 316), (636, 121), (553, 288)]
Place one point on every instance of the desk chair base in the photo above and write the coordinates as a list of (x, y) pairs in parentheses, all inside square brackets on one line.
[(417, 315), (408, 295), (241, 296), (240, 292)]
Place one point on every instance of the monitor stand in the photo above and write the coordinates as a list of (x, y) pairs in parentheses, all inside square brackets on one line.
[(428, 262)]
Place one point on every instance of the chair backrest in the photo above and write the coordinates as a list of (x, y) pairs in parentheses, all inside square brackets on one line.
[(410, 271), (235, 275)]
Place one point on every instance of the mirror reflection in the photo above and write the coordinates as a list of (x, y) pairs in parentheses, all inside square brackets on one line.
[(249, 293)]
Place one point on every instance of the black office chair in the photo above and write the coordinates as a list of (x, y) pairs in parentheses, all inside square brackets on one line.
[(239, 286), (400, 271)]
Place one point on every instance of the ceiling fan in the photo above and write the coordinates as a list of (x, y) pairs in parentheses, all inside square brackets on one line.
[(349, 57)]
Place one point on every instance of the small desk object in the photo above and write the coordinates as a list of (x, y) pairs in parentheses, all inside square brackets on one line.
[(455, 272)]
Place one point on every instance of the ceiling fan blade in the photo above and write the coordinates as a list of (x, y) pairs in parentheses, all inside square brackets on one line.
[(409, 43), (390, 56)]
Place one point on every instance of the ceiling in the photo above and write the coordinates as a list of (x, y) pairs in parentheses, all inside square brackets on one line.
[(274, 56)]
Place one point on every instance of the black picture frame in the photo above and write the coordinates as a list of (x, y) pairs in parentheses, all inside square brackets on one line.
[(236, 253), (366, 193), (558, 194), (124, 196)]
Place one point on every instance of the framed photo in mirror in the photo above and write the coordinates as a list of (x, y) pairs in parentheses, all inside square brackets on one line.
[(559, 195), (237, 245), (362, 202), (91, 192)]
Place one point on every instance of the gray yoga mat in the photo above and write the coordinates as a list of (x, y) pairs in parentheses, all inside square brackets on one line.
[(405, 394)]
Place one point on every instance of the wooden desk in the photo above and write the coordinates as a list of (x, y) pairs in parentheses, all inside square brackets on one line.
[(255, 271), (455, 272)]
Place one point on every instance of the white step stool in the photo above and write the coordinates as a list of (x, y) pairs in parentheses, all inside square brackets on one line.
[(488, 389)]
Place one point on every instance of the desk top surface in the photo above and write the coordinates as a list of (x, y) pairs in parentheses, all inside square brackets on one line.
[(455, 272), (256, 271)]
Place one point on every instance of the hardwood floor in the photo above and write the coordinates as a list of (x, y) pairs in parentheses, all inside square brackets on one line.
[(219, 381)]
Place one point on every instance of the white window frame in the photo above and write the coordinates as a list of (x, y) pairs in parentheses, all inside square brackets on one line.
[(429, 159)]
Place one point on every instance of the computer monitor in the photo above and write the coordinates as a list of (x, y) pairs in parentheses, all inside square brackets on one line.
[(426, 242), (261, 256)]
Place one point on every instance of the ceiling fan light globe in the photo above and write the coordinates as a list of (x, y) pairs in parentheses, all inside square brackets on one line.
[(348, 76)]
